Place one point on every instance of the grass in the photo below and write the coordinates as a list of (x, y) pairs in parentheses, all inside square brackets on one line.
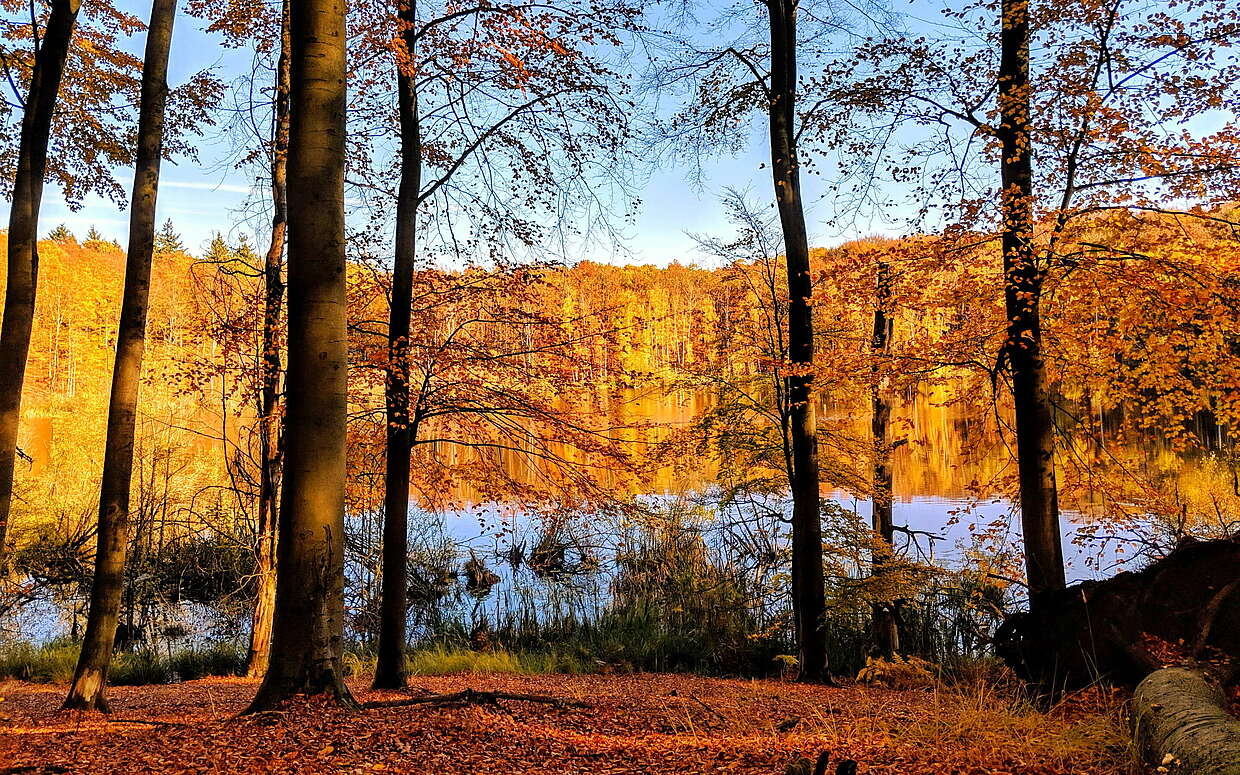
[(54, 662), (444, 659), (1085, 726)]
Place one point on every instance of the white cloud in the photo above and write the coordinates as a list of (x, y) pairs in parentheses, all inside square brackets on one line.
[(227, 187)]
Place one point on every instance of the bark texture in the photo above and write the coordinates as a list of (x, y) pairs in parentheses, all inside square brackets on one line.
[(23, 248), (809, 593), (269, 395), (308, 626), (89, 688), (885, 613), (390, 667), (1180, 722), (1035, 431)]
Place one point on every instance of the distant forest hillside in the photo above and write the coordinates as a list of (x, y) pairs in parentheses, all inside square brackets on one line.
[(540, 384)]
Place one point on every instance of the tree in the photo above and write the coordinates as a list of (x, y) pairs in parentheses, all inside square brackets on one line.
[(886, 622), (308, 625), (529, 119), (1035, 426), (390, 663), (1029, 132), (269, 395), (61, 235), (809, 594), (89, 688), (167, 240), (257, 24), (735, 72), (23, 271)]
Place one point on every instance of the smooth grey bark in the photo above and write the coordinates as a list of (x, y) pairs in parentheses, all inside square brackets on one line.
[(1180, 721), (89, 688), (308, 626)]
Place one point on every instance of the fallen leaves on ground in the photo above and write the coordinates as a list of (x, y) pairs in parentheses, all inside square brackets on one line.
[(646, 723)]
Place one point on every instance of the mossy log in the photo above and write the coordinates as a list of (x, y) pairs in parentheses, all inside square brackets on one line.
[(1181, 722)]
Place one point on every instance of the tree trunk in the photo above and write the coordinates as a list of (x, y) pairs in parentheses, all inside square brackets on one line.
[(269, 433), (886, 624), (390, 667), (308, 626), (89, 688), (809, 593), (1181, 724), (1035, 432), (23, 272)]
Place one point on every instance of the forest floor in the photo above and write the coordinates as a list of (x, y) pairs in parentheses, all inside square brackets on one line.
[(645, 723)]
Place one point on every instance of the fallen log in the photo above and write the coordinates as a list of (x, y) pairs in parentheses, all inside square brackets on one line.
[(1182, 609), (1181, 723)]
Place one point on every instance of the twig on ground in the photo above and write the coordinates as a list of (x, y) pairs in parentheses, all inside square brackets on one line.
[(473, 696), (151, 722), (696, 699)]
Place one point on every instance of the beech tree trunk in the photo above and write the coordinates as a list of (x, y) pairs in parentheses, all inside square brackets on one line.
[(809, 593), (23, 270), (89, 688), (390, 667), (269, 432), (886, 622), (308, 626), (1035, 432)]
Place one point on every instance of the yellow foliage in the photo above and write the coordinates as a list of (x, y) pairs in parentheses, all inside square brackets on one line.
[(898, 673)]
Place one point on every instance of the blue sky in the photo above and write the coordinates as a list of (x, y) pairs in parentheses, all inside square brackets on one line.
[(207, 196)]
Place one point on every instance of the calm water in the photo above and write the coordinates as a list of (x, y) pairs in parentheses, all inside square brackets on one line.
[(950, 481)]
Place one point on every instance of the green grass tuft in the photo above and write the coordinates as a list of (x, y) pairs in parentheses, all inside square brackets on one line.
[(55, 662)]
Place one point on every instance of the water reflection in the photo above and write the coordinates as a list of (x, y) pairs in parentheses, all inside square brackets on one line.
[(954, 475)]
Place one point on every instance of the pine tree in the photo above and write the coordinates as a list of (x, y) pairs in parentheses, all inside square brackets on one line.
[(167, 240), (61, 235)]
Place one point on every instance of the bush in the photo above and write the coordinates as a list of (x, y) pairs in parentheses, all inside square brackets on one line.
[(137, 668)]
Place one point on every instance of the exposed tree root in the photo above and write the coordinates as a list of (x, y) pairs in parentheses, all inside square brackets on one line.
[(474, 697), (1181, 723), (803, 766)]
